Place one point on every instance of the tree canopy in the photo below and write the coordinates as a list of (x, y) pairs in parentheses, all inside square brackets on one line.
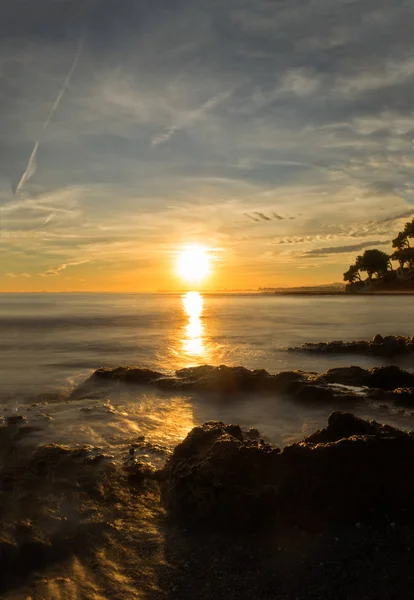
[(378, 263)]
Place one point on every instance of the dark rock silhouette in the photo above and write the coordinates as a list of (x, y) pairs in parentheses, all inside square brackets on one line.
[(229, 383), (388, 346), (385, 378), (350, 471)]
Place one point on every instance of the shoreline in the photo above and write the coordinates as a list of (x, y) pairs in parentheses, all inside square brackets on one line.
[(347, 294)]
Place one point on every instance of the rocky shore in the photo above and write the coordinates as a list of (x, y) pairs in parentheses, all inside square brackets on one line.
[(389, 346), (228, 516), (342, 386)]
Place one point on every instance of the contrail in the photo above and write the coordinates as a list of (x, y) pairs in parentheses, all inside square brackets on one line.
[(31, 165)]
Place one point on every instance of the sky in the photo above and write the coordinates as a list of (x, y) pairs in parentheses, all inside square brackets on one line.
[(279, 134)]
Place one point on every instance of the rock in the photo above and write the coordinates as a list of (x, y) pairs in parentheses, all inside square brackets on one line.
[(16, 420), (403, 396), (315, 393), (385, 378), (231, 380), (253, 433), (128, 374), (389, 378), (379, 346), (288, 382), (137, 470), (345, 425), (354, 376), (351, 471), (215, 476)]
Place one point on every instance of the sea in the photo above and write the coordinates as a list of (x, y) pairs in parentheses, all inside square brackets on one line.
[(75, 522), (50, 343)]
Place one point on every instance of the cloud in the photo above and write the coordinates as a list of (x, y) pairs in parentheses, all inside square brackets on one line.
[(319, 252), (52, 271), (190, 118), (276, 109), (262, 216)]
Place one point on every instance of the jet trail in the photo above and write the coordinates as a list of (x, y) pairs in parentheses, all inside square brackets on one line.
[(31, 165)]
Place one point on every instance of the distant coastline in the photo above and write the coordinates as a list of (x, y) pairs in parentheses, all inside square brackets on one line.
[(340, 293)]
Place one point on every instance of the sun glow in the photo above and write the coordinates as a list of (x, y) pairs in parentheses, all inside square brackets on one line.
[(193, 263)]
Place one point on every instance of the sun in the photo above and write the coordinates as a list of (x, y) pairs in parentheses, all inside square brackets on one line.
[(193, 263)]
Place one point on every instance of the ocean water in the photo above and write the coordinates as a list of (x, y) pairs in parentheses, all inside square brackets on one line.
[(49, 343), (72, 525)]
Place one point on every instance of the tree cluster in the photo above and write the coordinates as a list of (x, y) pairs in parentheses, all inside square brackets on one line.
[(378, 263)]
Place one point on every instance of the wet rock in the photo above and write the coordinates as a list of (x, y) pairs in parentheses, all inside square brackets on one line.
[(315, 393), (345, 425), (224, 379), (351, 471), (128, 374), (137, 470), (404, 396), (253, 433), (231, 380), (388, 346), (354, 376), (385, 378), (390, 378), (214, 475), (16, 420)]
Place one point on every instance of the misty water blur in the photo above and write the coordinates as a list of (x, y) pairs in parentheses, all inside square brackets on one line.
[(49, 343)]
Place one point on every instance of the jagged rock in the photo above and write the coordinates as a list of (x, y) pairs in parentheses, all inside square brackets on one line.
[(350, 471), (345, 425), (385, 378)]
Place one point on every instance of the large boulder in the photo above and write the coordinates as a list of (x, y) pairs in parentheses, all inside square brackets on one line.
[(350, 471)]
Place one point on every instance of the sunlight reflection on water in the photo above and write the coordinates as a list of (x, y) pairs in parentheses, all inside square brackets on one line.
[(194, 335)]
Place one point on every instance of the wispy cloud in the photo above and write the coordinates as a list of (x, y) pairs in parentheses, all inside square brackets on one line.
[(292, 131), (31, 165), (57, 270), (190, 118)]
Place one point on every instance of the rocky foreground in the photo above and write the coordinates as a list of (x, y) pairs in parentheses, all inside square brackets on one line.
[(389, 346), (228, 516), (384, 384)]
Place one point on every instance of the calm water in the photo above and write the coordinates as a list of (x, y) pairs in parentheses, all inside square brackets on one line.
[(51, 342)]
